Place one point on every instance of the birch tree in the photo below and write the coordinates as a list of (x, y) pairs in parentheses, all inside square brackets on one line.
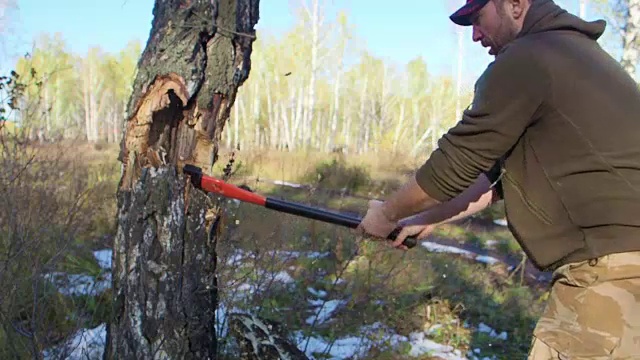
[(8, 11), (119, 71), (418, 81), (93, 94), (582, 12), (624, 19), (340, 51), (164, 271), (56, 96), (630, 35)]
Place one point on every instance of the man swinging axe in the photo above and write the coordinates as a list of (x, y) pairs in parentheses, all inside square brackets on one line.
[(554, 131)]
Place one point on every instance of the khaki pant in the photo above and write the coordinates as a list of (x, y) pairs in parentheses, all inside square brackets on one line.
[(593, 311)]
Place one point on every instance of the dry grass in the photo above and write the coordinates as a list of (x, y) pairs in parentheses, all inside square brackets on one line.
[(57, 206)]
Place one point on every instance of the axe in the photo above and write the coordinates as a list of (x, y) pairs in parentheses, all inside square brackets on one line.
[(218, 186)]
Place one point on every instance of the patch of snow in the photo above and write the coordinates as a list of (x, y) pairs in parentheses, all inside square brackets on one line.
[(284, 277), (317, 293), (317, 255), (445, 248), (286, 183), (239, 256), (324, 311), (84, 344), (487, 259), (484, 328), (431, 246), (420, 345), (350, 347), (296, 254), (76, 284), (90, 343), (284, 254), (247, 288), (222, 318), (501, 222), (222, 323), (339, 349), (355, 347), (104, 258), (263, 280)]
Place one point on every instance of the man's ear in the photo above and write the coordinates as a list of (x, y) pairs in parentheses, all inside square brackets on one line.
[(517, 8)]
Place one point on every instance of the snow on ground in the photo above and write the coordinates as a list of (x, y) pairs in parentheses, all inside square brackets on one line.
[(431, 246), (317, 293), (324, 310), (76, 284), (484, 328), (286, 183), (80, 284), (284, 254), (84, 344), (264, 279), (104, 258), (89, 343), (238, 256), (501, 222), (356, 347)]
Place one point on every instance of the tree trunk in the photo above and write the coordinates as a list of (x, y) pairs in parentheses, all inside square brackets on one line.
[(365, 119), (164, 282), (631, 37), (582, 12), (399, 127), (460, 33), (310, 118)]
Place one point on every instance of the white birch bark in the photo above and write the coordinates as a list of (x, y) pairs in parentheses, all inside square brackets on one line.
[(631, 37), (364, 119), (416, 120), (298, 119), (460, 32), (399, 127), (583, 9)]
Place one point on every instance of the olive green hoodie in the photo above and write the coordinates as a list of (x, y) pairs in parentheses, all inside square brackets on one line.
[(560, 120)]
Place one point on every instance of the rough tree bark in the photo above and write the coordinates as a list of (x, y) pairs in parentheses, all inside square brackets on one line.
[(164, 284)]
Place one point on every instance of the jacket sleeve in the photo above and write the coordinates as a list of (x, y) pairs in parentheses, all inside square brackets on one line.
[(507, 97)]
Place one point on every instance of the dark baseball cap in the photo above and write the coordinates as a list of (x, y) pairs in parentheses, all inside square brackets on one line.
[(463, 15)]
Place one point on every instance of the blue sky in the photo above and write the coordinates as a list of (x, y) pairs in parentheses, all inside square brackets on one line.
[(398, 32)]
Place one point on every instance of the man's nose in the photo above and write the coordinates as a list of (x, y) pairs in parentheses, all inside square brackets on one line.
[(477, 34)]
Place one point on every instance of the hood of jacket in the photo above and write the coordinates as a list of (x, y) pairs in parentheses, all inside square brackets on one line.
[(546, 15)]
